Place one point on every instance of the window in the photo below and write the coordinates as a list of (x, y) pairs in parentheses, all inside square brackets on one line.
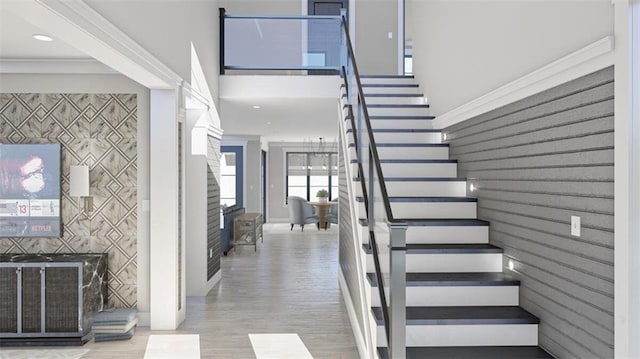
[(307, 173), (231, 176)]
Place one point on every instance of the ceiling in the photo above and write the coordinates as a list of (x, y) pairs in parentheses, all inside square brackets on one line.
[(291, 112), (17, 42)]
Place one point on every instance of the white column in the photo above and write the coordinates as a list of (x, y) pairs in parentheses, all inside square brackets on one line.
[(164, 279), (625, 251)]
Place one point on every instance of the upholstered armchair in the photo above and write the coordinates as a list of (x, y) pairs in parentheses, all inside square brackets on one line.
[(301, 212), (332, 213)]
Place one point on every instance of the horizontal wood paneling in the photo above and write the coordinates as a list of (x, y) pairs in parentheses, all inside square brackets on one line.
[(213, 208), (347, 256), (536, 163)]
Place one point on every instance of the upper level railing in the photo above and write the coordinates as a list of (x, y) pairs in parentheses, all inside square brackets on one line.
[(321, 44)]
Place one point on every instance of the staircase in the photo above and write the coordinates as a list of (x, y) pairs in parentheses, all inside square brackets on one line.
[(460, 304)]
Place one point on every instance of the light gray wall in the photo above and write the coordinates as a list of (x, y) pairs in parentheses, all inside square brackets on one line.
[(262, 7), (252, 177), (376, 54), (537, 162), (464, 49), (168, 29), (277, 209)]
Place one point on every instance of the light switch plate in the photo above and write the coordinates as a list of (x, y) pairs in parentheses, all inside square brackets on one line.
[(575, 226)]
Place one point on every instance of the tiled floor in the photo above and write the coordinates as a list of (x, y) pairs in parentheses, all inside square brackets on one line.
[(290, 285)]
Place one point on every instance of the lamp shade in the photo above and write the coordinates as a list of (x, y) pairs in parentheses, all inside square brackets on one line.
[(79, 181)]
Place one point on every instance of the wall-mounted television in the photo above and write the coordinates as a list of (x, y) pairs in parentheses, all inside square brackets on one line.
[(30, 190)]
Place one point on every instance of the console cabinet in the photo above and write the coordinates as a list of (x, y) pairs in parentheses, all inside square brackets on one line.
[(247, 229), (50, 298)]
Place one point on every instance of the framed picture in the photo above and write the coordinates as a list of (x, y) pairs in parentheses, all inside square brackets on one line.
[(30, 190)]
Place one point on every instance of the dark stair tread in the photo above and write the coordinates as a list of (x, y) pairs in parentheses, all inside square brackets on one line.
[(464, 315), (387, 76), (389, 85), (506, 352), (430, 222), (445, 248), (407, 145), (396, 105), (409, 130), (394, 95), (454, 279), (420, 179), (426, 199), (412, 161), (391, 117)]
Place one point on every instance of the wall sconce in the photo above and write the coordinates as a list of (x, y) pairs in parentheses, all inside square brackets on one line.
[(79, 187)]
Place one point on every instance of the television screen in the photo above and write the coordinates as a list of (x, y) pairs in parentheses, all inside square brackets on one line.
[(29, 190)]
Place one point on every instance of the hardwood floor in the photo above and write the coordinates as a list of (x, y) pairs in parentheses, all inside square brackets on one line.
[(290, 285)]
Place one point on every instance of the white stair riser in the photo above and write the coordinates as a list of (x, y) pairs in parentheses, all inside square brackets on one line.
[(427, 189), (444, 234), (400, 100), (407, 137), (467, 335), (413, 153), (428, 170), (387, 80), (398, 111), (455, 296), (388, 90), (402, 124), (447, 234), (434, 210), (410, 153), (444, 263)]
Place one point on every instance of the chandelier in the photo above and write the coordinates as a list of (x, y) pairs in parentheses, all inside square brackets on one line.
[(319, 146)]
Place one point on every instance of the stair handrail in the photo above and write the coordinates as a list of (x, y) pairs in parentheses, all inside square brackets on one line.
[(394, 323)]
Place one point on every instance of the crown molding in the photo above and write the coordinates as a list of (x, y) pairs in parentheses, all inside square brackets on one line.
[(54, 66), (591, 58), (75, 22)]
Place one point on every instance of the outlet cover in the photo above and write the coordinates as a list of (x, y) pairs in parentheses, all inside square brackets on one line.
[(575, 226)]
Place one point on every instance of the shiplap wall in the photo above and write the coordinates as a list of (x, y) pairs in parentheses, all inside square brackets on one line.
[(213, 207), (347, 255), (536, 163)]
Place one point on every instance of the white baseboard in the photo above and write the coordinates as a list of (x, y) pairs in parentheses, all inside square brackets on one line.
[(144, 319), (589, 59), (351, 310), (214, 280), (278, 220)]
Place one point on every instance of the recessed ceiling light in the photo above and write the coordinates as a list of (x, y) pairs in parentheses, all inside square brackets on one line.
[(42, 37), (268, 123), (256, 107)]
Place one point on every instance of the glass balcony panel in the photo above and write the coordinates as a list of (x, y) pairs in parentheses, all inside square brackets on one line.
[(282, 43)]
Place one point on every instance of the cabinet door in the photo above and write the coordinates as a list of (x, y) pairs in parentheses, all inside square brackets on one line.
[(61, 300), (8, 300), (31, 302)]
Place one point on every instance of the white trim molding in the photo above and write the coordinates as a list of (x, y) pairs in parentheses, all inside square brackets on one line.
[(627, 134), (591, 58), (54, 66), (75, 22)]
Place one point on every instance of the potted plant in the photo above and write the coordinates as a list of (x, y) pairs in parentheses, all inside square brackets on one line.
[(322, 195)]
